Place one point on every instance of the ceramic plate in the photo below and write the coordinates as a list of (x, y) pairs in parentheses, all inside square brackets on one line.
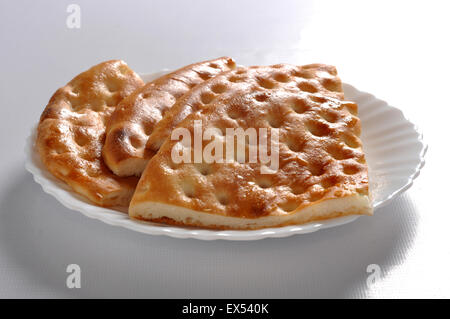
[(394, 151)]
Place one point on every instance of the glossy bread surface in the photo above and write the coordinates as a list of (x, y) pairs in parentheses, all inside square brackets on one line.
[(135, 117), (322, 169), (313, 78), (71, 132)]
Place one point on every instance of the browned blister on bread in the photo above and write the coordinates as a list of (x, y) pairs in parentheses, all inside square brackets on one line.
[(312, 78), (321, 171), (134, 119), (71, 132)]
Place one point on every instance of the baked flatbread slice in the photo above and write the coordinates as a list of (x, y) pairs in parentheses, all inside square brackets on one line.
[(134, 119), (312, 78), (321, 171), (71, 132)]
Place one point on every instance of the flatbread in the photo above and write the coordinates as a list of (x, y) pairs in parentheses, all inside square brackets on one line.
[(313, 78), (134, 119), (71, 132), (322, 172)]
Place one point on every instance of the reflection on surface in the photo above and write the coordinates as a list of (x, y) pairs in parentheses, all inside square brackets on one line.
[(43, 237)]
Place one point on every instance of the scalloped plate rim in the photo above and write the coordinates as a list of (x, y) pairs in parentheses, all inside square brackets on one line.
[(115, 218)]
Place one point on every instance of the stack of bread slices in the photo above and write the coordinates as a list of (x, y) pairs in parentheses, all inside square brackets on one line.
[(162, 148)]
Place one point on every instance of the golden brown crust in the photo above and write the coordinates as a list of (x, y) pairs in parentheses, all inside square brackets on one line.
[(320, 159), (313, 78), (133, 120), (71, 132)]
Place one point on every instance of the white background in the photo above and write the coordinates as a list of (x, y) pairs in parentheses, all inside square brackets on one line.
[(396, 50)]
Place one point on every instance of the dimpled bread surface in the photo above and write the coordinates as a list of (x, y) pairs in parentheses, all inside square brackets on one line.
[(313, 78), (135, 117), (71, 132), (322, 172)]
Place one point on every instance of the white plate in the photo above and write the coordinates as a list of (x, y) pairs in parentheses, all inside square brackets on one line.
[(394, 150)]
